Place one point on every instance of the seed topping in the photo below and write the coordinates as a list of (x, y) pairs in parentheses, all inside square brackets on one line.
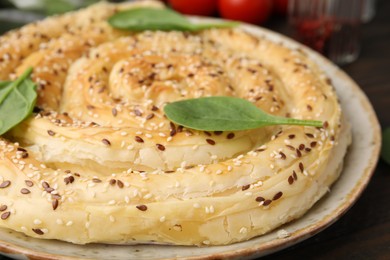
[(106, 142), (277, 195), (138, 139), (38, 231), (51, 132), (5, 184), (142, 207), (210, 141), (230, 136), (5, 215), (25, 191), (160, 147)]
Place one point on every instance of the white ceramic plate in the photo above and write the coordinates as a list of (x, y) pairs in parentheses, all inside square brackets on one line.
[(359, 166)]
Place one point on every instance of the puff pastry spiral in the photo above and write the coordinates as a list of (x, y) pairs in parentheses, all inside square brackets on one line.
[(99, 162)]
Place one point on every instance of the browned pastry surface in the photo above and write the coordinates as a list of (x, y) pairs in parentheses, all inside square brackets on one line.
[(101, 163)]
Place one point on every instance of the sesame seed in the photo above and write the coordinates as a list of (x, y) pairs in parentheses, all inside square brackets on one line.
[(160, 147), (299, 154), (313, 144), (3, 207), (162, 219), (218, 132), (106, 142), (291, 136), (282, 233), (301, 147), (283, 156), (25, 191), (138, 139), (69, 223), (112, 182), (295, 175), (5, 215), (142, 207), (5, 184), (37, 221), (210, 141), (230, 136), (243, 230), (120, 184)]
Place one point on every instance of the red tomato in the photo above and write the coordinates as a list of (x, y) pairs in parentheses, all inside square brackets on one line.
[(195, 7), (250, 11), (280, 6)]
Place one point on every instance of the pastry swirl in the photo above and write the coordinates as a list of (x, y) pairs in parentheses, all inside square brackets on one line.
[(101, 163)]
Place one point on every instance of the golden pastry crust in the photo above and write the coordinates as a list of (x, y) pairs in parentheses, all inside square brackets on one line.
[(101, 163)]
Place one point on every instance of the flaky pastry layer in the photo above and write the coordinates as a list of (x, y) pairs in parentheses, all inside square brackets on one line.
[(99, 161)]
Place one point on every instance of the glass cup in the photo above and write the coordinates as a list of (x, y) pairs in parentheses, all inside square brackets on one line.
[(330, 27)]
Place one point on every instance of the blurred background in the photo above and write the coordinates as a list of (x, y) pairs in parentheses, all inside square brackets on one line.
[(355, 34), (331, 27)]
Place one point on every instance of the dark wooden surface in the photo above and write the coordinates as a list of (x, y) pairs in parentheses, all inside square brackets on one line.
[(364, 231)]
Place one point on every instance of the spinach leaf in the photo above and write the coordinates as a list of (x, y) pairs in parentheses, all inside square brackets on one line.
[(141, 19), (17, 100), (225, 114), (386, 145)]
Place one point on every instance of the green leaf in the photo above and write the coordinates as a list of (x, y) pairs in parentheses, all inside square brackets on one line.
[(58, 6), (140, 19), (386, 145), (17, 100), (225, 114)]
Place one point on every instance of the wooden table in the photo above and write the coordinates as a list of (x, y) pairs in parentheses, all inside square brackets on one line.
[(364, 231)]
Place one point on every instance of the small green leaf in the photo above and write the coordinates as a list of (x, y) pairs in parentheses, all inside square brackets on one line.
[(17, 100), (141, 19), (225, 114), (386, 145)]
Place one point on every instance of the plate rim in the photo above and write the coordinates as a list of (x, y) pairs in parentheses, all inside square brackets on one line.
[(301, 234)]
